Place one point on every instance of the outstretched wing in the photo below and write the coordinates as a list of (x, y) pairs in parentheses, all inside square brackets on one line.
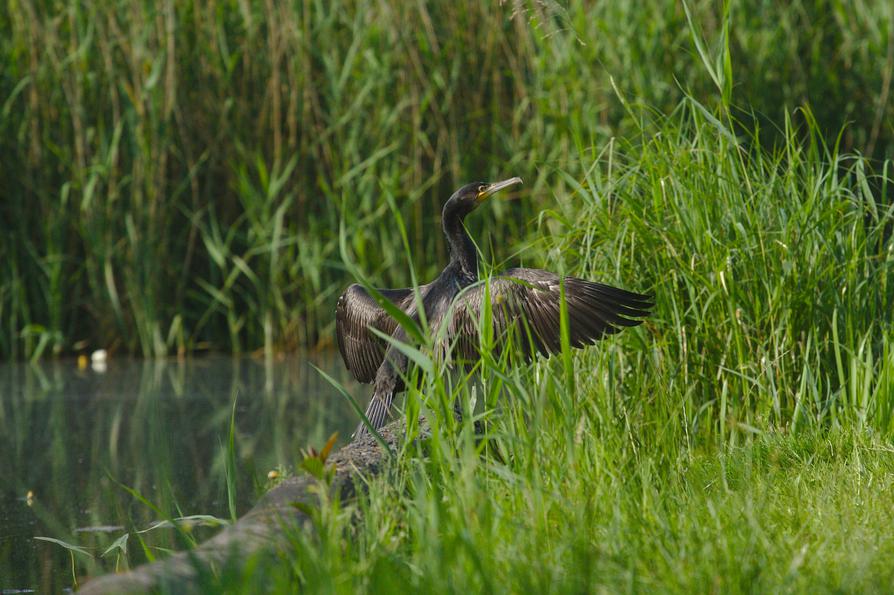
[(527, 303), (355, 313)]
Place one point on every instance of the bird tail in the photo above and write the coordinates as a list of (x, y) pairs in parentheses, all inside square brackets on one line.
[(376, 413)]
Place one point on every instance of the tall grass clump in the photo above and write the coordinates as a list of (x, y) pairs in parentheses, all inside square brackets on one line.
[(175, 173), (773, 270)]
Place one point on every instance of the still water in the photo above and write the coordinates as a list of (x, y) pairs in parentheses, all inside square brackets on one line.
[(71, 440)]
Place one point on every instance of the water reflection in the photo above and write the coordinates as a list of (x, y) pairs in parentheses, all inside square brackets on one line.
[(68, 437)]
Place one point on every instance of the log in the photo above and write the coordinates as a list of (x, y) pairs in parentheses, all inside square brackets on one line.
[(264, 528)]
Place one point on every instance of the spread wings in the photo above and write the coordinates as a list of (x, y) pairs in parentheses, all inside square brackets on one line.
[(355, 313), (524, 302), (527, 302)]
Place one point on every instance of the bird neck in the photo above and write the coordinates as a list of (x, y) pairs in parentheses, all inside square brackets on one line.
[(462, 250)]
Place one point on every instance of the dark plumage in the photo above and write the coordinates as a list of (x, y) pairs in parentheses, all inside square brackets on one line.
[(525, 302)]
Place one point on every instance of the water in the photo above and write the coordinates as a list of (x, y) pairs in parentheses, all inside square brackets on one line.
[(70, 439)]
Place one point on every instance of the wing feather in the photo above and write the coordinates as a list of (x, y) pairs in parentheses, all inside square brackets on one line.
[(355, 313), (527, 303)]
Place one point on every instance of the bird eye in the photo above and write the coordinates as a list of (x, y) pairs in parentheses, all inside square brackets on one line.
[(482, 187)]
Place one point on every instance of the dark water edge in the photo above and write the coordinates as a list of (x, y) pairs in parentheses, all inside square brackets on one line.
[(70, 436)]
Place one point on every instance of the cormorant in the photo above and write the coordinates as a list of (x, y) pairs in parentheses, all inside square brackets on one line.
[(528, 299)]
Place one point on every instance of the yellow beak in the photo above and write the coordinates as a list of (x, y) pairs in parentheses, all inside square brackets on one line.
[(492, 189)]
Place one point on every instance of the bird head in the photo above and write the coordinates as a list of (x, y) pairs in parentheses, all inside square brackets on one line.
[(466, 199)]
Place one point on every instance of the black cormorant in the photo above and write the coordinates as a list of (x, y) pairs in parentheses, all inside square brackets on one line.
[(528, 299)]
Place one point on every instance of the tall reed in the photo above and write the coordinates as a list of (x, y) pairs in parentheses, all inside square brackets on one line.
[(174, 174)]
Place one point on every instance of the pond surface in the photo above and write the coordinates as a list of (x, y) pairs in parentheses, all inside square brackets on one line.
[(78, 445)]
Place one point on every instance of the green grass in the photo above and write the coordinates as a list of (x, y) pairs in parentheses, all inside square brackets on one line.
[(780, 514)]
